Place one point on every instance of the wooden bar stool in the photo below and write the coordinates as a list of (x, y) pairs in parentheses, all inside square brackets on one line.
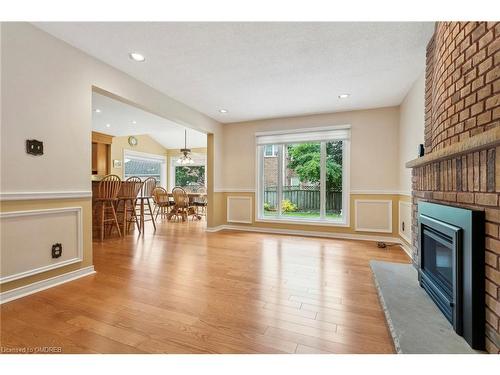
[(143, 199), (128, 196), (107, 194)]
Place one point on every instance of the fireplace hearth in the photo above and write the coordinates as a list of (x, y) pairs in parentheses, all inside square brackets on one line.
[(451, 266)]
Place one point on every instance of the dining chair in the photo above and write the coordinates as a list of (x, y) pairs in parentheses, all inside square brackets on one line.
[(107, 193), (128, 197), (181, 203), (161, 201), (143, 200), (200, 202)]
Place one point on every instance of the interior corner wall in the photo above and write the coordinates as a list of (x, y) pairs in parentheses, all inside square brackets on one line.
[(373, 171), (46, 89), (411, 129)]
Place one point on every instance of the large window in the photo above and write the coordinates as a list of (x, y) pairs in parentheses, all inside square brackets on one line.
[(307, 180), (145, 165), (190, 177)]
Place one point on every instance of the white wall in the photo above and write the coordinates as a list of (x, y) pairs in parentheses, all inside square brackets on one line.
[(46, 94), (374, 148), (411, 129)]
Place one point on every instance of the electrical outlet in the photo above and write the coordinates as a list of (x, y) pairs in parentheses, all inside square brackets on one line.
[(34, 147), (56, 250)]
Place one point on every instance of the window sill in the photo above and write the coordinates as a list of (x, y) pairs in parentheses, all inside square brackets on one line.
[(320, 223)]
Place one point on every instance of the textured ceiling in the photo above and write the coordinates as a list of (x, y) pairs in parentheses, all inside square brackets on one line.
[(121, 118), (262, 70)]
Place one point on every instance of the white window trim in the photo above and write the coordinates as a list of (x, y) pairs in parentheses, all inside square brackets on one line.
[(346, 176), (127, 154)]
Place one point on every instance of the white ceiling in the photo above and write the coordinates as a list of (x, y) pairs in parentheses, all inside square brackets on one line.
[(262, 70), (120, 117)]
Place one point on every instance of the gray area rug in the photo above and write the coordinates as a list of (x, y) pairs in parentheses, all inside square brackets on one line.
[(416, 324)]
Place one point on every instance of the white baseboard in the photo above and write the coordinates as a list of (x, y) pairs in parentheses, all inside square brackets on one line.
[(407, 249), (296, 232), (45, 284), (344, 236)]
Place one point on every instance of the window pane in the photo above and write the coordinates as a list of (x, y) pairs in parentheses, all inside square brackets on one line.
[(270, 184), (268, 151), (333, 204), (301, 181), (142, 168), (191, 178)]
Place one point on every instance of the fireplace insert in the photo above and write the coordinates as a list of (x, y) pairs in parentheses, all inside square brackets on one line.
[(451, 266), (441, 267)]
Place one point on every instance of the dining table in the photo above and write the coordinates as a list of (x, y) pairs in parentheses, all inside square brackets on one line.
[(191, 196)]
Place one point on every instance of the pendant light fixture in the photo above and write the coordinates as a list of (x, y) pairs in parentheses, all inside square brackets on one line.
[(186, 153)]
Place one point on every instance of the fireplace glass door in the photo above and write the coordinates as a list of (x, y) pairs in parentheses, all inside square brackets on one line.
[(439, 260), (440, 266)]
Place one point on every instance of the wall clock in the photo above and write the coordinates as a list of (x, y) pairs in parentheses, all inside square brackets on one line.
[(132, 141)]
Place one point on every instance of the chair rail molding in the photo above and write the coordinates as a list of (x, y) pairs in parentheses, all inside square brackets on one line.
[(41, 195), (378, 192), (234, 190)]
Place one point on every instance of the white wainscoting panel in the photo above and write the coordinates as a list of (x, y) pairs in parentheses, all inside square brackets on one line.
[(27, 238), (404, 221), (239, 209), (373, 215)]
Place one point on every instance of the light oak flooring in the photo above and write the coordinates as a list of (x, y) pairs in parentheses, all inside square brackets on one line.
[(182, 290)]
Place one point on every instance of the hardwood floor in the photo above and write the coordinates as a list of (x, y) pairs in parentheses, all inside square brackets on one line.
[(182, 290)]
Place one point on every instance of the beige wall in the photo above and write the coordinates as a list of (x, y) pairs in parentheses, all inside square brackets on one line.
[(145, 144), (381, 141), (46, 94), (411, 130), (374, 148)]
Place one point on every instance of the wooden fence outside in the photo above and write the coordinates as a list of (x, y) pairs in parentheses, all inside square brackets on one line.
[(305, 199)]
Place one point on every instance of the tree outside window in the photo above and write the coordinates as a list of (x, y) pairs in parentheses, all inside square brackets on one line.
[(190, 177)]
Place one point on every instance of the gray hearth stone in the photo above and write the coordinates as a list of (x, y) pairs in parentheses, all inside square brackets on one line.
[(417, 326)]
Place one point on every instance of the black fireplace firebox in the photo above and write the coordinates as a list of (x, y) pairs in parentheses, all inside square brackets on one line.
[(451, 266)]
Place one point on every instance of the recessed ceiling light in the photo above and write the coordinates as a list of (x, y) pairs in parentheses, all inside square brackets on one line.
[(344, 96), (223, 110), (97, 110), (137, 56), (108, 125)]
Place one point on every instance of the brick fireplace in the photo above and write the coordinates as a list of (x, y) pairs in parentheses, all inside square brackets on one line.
[(461, 166)]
